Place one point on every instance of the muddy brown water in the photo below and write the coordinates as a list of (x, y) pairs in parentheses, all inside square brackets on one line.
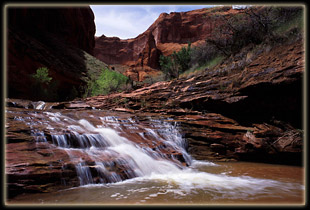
[(284, 185), (202, 183)]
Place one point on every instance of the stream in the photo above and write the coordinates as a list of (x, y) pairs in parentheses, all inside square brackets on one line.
[(122, 158)]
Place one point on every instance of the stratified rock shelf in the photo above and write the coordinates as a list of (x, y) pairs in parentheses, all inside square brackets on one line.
[(231, 114)]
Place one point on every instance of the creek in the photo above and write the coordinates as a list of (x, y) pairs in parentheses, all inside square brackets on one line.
[(122, 158)]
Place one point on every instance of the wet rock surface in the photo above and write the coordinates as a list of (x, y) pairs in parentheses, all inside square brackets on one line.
[(42, 156), (51, 149), (231, 113), (249, 107)]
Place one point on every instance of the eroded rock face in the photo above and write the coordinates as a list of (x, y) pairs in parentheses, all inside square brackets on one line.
[(255, 104), (170, 32), (56, 38), (252, 114)]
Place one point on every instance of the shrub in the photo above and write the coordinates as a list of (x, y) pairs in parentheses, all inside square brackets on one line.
[(107, 82), (41, 76), (176, 63), (165, 63), (253, 25), (43, 88), (183, 58), (202, 54)]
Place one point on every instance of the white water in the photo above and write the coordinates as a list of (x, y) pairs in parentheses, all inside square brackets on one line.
[(89, 147), (104, 141)]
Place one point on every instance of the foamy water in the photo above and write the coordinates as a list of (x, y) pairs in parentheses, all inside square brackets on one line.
[(153, 178)]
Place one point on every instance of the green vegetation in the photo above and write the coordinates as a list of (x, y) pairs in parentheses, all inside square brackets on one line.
[(108, 81), (196, 69), (176, 63), (295, 22), (256, 26), (253, 26), (41, 76), (44, 87), (101, 80), (246, 33), (212, 63)]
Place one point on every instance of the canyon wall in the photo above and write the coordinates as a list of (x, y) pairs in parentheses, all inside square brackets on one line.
[(253, 113), (74, 26), (57, 38), (170, 32)]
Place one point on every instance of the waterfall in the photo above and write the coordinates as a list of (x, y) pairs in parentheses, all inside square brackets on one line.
[(101, 154), (94, 148)]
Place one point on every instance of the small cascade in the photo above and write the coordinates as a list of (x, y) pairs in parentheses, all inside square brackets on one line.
[(40, 105), (27, 104), (93, 148), (115, 148)]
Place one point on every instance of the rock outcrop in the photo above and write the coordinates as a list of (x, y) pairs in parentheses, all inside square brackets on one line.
[(170, 32), (251, 114), (248, 107), (244, 108), (57, 38)]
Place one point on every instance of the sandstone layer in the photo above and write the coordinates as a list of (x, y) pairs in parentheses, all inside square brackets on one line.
[(253, 114), (44, 153), (249, 107)]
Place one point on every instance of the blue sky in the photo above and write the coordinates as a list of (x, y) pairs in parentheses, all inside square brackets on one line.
[(128, 21)]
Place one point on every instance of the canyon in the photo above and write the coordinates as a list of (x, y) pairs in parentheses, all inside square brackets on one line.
[(249, 107), (247, 112), (169, 33)]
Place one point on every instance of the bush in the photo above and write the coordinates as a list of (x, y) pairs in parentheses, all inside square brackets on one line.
[(41, 76), (107, 82), (165, 63), (250, 27), (183, 58), (253, 25), (202, 54), (43, 88), (176, 63)]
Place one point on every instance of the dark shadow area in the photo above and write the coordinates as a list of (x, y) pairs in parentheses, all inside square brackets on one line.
[(55, 38), (264, 102)]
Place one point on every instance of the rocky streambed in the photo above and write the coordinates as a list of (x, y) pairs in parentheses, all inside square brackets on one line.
[(249, 107), (54, 146), (253, 113)]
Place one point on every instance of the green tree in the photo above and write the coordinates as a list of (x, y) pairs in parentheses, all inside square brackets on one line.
[(41, 76), (165, 65), (42, 87), (183, 58)]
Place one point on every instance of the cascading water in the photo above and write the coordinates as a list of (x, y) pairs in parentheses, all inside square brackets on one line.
[(89, 147), (105, 148)]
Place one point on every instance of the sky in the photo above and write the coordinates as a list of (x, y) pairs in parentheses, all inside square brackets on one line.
[(128, 21)]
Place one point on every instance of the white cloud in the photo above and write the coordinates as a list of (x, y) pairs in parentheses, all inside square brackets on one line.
[(128, 21)]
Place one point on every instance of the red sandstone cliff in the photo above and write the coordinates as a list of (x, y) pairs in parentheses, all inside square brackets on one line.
[(74, 25), (170, 32), (56, 38), (246, 113)]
